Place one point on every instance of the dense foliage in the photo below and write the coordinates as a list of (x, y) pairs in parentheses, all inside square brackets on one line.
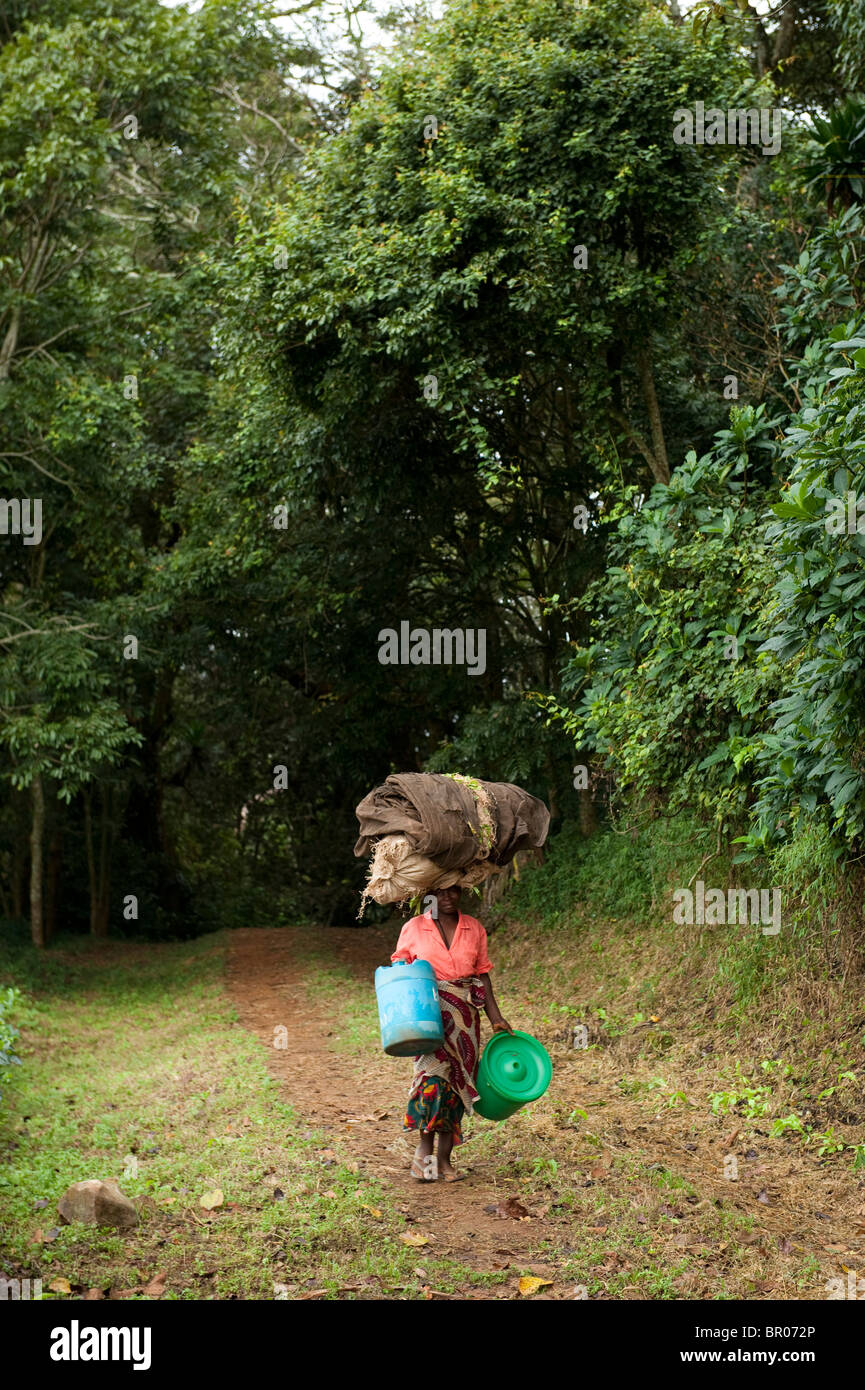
[(299, 343), (734, 680)]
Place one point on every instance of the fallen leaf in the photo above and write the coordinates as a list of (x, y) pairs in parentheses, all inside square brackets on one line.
[(211, 1200), (330, 1194), (414, 1238), (530, 1284), (92, 1295), (60, 1286), (373, 1211), (764, 1198), (511, 1208), (156, 1287)]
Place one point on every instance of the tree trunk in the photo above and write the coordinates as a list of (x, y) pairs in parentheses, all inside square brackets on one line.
[(91, 861), (104, 873), (52, 884), (37, 832), (660, 466), (9, 344), (586, 811), (97, 869), (19, 874), (552, 789)]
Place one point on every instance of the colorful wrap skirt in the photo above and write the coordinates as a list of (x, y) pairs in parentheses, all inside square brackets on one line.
[(443, 1087)]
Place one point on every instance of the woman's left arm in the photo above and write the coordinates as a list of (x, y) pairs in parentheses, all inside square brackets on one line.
[(492, 1010)]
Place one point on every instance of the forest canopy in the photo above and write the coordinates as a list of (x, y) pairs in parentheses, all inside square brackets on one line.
[(301, 340)]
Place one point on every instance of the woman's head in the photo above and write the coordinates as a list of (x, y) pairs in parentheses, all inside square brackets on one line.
[(447, 900)]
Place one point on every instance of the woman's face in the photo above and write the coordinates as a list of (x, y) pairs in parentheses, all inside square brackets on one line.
[(448, 900)]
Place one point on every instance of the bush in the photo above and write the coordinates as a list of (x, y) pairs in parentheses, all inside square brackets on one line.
[(9, 1058), (620, 873)]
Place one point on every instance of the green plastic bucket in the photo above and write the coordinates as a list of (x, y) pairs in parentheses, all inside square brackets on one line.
[(514, 1069)]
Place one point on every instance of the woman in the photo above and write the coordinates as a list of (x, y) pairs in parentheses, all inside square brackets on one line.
[(443, 1085)]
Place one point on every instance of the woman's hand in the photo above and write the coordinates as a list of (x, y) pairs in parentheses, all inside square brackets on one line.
[(501, 1025)]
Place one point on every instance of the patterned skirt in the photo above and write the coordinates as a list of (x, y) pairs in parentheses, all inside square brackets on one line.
[(443, 1082)]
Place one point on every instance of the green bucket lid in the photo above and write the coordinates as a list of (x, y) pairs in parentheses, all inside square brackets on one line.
[(517, 1067)]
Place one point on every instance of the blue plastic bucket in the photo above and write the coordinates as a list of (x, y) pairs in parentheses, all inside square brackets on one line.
[(409, 1013)]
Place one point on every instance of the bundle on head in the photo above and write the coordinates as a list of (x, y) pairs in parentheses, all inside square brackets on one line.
[(428, 830)]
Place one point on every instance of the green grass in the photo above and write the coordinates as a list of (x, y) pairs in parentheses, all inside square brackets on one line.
[(337, 987), (144, 1057)]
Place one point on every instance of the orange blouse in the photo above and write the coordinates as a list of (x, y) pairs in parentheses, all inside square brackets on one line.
[(420, 939)]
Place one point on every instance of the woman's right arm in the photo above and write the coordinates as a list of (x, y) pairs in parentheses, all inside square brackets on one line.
[(403, 950)]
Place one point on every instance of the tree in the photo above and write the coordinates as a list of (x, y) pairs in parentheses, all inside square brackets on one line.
[(124, 139), (468, 303)]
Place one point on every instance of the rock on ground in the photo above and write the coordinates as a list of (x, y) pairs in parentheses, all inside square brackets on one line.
[(100, 1203)]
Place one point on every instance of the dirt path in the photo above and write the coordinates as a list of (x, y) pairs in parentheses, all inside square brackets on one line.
[(333, 1090), (787, 1225)]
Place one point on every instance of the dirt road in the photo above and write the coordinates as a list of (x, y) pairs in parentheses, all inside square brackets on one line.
[(642, 1204), (334, 1089)]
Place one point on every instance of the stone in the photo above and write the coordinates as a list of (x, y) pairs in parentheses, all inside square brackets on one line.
[(99, 1203)]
